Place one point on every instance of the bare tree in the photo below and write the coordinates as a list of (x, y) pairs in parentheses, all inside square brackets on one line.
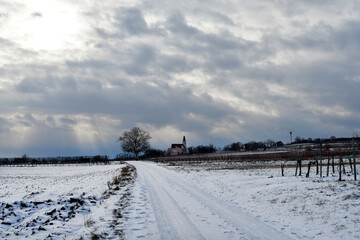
[(135, 141)]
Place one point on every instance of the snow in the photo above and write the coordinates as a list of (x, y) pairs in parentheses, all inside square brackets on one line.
[(184, 211), (212, 200), (306, 208), (57, 202)]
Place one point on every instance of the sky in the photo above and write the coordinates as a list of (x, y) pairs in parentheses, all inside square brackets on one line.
[(74, 75)]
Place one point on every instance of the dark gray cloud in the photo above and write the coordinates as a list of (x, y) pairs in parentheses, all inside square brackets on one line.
[(128, 22), (68, 121), (131, 20), (46, 85), (177, 24), (139, 59)]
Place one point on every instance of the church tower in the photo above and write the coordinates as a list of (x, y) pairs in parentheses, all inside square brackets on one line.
[(184, 142)]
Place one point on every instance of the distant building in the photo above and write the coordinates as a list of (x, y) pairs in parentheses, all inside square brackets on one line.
[(178, 148)]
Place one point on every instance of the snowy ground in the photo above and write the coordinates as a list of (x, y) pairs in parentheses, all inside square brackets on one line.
[(181, 210), (62, 202), (182, 201), (307, 208)]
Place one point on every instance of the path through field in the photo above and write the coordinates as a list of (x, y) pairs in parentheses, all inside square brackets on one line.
[(166, 206)]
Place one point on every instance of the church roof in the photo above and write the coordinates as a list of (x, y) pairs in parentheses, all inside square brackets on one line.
[(175, 145)]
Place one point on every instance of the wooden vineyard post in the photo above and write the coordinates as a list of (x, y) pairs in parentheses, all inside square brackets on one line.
[(354, 153), (317, 167), (328, 166), (340, 168), (308, 172), (350, 163), (299, 162), (342, 163), (298, 166), (282, 169), (321, 159), (333, 164)]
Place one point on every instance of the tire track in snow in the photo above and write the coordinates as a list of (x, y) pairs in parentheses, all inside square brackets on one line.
[(247, 224), (174, 223), (168, 213)]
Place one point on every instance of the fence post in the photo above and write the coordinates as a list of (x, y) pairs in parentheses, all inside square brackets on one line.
[(351, 166), (299, 161), (308, 172), (317, 167), (321, 158), (340, 160), (353, 142), (328, 166)]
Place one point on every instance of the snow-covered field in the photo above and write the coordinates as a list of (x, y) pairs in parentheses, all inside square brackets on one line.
[(308, 208), (61, 202), (182, 201)]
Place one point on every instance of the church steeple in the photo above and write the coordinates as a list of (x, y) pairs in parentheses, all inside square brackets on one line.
[(184, 141)]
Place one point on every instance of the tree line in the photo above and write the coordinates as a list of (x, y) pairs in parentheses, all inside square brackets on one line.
[(252, 145), (98, 159), (331, 139)]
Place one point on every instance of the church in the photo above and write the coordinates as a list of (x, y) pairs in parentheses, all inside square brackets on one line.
[(178, 148)]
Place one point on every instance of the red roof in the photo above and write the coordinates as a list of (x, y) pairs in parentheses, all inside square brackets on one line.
[(177, 145)]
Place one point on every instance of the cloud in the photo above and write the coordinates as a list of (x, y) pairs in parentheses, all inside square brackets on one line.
[(4, 126), (131, 20), (36, 15), (128, 22), (141, 57), (218, 73), (68, 121), (3, 15), (177, 24), (31, 86), (47, 85)]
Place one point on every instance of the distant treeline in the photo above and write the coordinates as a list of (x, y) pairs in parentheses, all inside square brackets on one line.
[(98, 159), (331, 139), (252, 145), (150, 153), (202, 149), (263, 145)]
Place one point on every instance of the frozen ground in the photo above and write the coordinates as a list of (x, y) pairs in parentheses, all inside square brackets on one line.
[(63, 202), (305, 208), (208, 202), (199, 201), (181, 210)]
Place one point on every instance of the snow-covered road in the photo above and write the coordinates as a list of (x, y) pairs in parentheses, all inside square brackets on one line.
[(166, 206)]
